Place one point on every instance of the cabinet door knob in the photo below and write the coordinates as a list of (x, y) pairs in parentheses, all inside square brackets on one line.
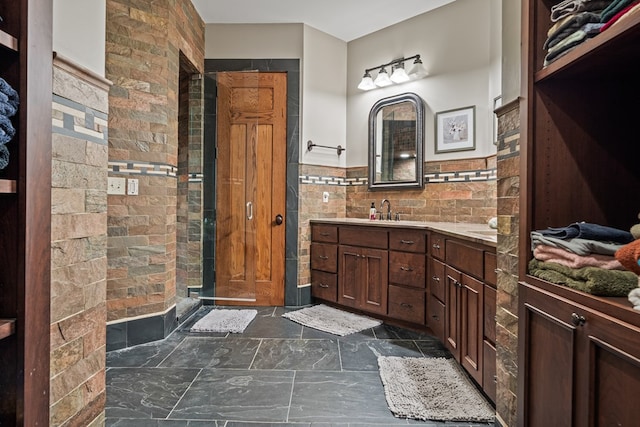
[(577, 319), (436, 246), (435, 278)]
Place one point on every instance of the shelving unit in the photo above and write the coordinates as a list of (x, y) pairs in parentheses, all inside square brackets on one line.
[(25, 215), (579, 355)]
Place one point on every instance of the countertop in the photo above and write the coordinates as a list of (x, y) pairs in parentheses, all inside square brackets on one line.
[(479, 233)]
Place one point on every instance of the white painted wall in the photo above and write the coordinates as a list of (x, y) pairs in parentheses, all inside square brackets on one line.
[(79, 32), (459, 47), (324, 98), (253, 41)]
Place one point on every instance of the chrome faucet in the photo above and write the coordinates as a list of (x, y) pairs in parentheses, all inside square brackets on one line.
[(388, 209)]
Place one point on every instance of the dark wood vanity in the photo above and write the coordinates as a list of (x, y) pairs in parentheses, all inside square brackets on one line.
[(435, 277)]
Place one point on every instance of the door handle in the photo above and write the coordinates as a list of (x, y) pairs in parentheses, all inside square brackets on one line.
[(279, 219), (249, 210)]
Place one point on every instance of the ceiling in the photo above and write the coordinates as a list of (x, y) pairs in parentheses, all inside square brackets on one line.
[(344, 19)]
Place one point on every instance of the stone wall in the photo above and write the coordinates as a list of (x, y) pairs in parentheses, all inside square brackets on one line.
[(78, 246), (146, 43), (507, 295)]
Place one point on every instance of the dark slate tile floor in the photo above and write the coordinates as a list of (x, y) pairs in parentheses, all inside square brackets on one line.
[(276, 373)]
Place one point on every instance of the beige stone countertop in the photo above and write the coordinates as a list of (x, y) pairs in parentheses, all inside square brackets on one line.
[(479, 233)]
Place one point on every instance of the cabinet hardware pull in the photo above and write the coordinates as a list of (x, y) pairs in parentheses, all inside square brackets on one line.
[(406, 268), (495, 378), (577, 319), (436, 246), (436, 278), (404, 304), (497, 270), (322, 285), (325, 234), (323, 257), (435, 317), (407, 242)]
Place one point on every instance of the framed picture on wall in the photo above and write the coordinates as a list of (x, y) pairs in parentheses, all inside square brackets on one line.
[(456, 130)]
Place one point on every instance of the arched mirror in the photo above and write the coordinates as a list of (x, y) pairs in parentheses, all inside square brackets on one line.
[(396, 142)]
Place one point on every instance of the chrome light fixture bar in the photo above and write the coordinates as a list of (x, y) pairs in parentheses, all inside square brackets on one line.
[(398, 75)]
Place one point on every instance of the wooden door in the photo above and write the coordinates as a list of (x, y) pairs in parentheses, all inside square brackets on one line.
[(471, 326), (374, 280), (251, 188)]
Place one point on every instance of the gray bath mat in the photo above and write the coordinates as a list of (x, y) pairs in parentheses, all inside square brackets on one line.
[(431, 389), (223, 320), (332, 320)]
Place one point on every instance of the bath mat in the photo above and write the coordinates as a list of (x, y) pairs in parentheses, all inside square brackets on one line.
[(332, 320), (431, 389), (223, 320)]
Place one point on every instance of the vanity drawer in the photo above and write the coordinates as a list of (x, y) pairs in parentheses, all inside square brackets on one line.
[(468, 259), (324, 257), (407, 269), (490, 268), (370, 237), (437, 279), (406, 304), (324, 285), (408, 241), (324, 233), (437, 246)]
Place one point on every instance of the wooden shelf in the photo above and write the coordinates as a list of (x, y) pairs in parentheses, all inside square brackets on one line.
[(7, 328), (7, 186), (8, 41)]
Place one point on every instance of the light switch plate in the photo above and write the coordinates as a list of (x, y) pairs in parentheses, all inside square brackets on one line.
[(116, 185), (132, 187)]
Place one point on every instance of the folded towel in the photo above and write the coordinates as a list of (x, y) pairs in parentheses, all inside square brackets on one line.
[(7, 131), (571, 24), (634, 298), (11, 93), (568, 7), (576, 245), (4, 156), (592, 280), (585, 230), (6, 109), (615, 7), (569, 259), (629, 256), (628, 10)]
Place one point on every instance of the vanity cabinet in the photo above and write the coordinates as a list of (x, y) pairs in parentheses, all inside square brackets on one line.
[(579, 354), (461, 304), (363, 269)]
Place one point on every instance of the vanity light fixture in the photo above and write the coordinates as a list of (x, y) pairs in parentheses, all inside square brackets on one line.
[(399, 75)]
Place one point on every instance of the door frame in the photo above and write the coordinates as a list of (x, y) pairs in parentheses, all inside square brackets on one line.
[(293, 296)]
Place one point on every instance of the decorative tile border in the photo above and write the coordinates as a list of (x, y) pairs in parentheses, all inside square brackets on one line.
[(196, 177), (78, 121), (142, 168), (430, 178)]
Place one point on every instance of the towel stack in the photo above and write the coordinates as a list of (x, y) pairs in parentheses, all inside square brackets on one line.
[(629, 257), (9, 102), (582, 256), (574, 21)]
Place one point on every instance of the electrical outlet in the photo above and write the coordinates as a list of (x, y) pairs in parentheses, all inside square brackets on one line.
[(325, 197), (132, 187), (116, 185)]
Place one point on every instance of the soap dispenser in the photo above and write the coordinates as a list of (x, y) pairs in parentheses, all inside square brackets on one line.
[(372, 211)]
